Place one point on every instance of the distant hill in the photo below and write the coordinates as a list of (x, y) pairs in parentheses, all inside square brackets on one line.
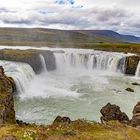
[(67, 38), (111, 34)]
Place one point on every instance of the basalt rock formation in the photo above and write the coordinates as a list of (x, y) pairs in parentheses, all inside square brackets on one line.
[(131, 64), (112, 112), (31, 57), (7, 88), (136, 115)]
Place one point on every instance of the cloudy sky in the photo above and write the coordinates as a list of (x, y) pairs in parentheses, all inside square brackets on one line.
[(118, 15)]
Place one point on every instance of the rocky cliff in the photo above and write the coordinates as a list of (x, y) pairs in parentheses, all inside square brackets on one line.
[(7, 112), (131, 64), (31, 57)]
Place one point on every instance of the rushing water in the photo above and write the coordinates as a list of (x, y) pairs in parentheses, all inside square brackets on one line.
[(83, 82), (137, 74), (21, 72), (43, 63)]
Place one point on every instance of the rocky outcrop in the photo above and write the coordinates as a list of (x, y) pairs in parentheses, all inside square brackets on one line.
[(60, 119), (31, 57), (129, 89), (131, 64), (112, 112), (135, 84), (136, 115), (21, 123), (7, 87)]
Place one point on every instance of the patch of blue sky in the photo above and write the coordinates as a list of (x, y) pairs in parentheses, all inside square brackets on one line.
[(71, 2)]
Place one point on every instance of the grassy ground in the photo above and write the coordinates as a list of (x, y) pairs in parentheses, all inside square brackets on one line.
[(77, 130)]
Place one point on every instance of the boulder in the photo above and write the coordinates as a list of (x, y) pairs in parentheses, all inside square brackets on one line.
[(112, 112), (21, 123), (136, 115), (131, 64), (60, 119), (129, 89), (136, 84)]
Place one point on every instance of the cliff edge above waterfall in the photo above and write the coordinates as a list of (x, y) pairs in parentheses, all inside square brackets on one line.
[(31, 57)]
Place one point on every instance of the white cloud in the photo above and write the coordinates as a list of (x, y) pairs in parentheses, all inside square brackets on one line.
[(121, 15)]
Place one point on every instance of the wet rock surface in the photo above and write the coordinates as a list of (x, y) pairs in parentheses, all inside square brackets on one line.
[(129, 89), (49, 60), (136, 115), (112, 112), (131, 64), (136, 84)]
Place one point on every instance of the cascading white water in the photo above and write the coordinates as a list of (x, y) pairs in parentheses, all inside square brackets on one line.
[(22, 73), (92, 60), (43, 63), (78, 88), (137, 74)]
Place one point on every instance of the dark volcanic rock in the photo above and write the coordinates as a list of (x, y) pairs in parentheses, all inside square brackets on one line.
[(136, 84), (112, 112), (21, 123), (136, 115), (60, 119), (129, 89), (131, 64)]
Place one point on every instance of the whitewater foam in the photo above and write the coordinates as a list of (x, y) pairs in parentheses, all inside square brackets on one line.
[(22, 73)]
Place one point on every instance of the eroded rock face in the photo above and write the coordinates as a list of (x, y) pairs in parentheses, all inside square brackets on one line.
[(136, 115), (112, 112), (30, 57), (60, 119), (131, 64), (49, 60), (7, 112)]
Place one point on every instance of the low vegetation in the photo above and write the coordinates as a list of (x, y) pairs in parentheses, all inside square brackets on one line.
[(77, 130)]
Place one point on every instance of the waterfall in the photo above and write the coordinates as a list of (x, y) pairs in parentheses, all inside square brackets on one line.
[(43, 63), (92, 60), (137, 74), (22, 73)]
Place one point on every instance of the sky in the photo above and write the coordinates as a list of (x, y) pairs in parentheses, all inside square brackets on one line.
[(122, 16)]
